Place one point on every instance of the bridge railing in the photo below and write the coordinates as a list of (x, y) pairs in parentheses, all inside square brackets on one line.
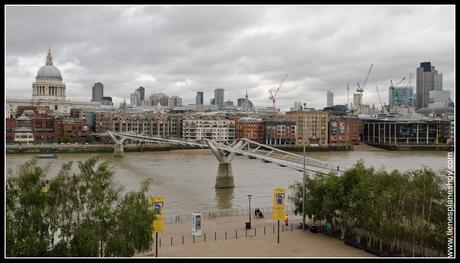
[(213, 214)]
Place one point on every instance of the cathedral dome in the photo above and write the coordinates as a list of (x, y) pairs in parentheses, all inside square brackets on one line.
[(48, 84), (49, 71)]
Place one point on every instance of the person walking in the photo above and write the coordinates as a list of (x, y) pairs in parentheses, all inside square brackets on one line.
[(286, 220)]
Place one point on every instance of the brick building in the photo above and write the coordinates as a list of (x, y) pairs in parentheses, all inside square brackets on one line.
[(153, 124), (316, 127), (280, 132), (250, 128), (344, 130), (77, 128), (37, 124)]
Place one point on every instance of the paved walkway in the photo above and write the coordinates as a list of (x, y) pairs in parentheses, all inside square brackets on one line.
[(295, 243)]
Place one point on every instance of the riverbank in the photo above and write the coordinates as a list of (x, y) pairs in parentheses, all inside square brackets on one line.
[(108, 148), (88, 148), (293, 148), (395, 147), (260, 241)]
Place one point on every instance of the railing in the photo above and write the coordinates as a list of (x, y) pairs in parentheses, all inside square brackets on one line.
[(213, 214), (166, 240), (247, 148)]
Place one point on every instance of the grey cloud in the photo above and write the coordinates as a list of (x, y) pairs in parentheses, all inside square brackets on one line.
[(221, 47)]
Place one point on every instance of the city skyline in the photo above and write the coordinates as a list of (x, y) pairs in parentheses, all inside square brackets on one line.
[(321, 48)]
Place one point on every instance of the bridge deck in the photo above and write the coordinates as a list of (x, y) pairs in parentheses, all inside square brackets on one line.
[(245, 147)]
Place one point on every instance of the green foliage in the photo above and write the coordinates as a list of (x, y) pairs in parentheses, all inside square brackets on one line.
[(388, 207), (75, 215), (66, 138), (90, 139)]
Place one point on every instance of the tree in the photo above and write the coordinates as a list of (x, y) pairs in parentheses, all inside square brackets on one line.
[(386, 207), (75, 215), (27, 224), (66, 138), (90, 139)]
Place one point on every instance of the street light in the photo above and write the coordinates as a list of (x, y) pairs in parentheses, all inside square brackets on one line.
[(249, 197), (303, 141)]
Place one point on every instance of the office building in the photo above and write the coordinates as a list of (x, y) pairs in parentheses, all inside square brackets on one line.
[(158, 98), (357, 100), (141, 94), (401, 96), (107, 101), (219, 98), (175, 101), (330, 98), (391, 132), (199, 98), (439, 99), (98, 91), (428, 79), (135, 98)]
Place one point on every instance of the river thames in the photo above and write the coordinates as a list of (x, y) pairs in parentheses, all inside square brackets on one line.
[(186, 177)]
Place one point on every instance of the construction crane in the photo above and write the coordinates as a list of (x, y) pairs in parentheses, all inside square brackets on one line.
[(348, 91), (394, 86), (381, 104), (361, 89), (273, 96)]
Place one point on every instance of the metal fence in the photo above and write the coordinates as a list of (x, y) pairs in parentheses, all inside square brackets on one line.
[(209, 215), (261, 230)]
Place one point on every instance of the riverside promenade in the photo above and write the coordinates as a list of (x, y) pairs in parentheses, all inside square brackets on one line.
[(227, 237)]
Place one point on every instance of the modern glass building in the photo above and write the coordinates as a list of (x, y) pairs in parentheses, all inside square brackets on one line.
[(406, 132), (199, 98), (98, 91), (330, 98), (401, 96), (427, 79), (219, 98)]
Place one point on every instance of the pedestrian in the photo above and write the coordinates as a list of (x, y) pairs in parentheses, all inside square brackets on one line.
[(286, 220)]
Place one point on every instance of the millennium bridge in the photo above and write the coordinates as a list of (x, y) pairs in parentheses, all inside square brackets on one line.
[(225, 153)]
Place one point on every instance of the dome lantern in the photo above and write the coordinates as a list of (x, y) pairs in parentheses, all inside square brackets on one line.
[(49, 58)]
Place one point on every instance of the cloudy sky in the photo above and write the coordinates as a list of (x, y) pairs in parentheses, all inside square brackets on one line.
[(180, 50)]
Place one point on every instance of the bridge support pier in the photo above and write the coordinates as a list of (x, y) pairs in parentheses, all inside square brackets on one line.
[(118, 150), (224, 177), (118, 146)]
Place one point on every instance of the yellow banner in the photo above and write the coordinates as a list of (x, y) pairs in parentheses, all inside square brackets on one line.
[(158, 204), (279, 204)]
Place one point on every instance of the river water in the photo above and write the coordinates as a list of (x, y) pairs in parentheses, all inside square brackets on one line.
[(186, 177)]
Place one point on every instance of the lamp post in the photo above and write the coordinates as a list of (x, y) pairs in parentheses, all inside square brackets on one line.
[(249, 197), (303, 176)]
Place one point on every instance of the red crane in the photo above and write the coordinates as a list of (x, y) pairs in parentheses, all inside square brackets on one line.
[(273, 96)]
